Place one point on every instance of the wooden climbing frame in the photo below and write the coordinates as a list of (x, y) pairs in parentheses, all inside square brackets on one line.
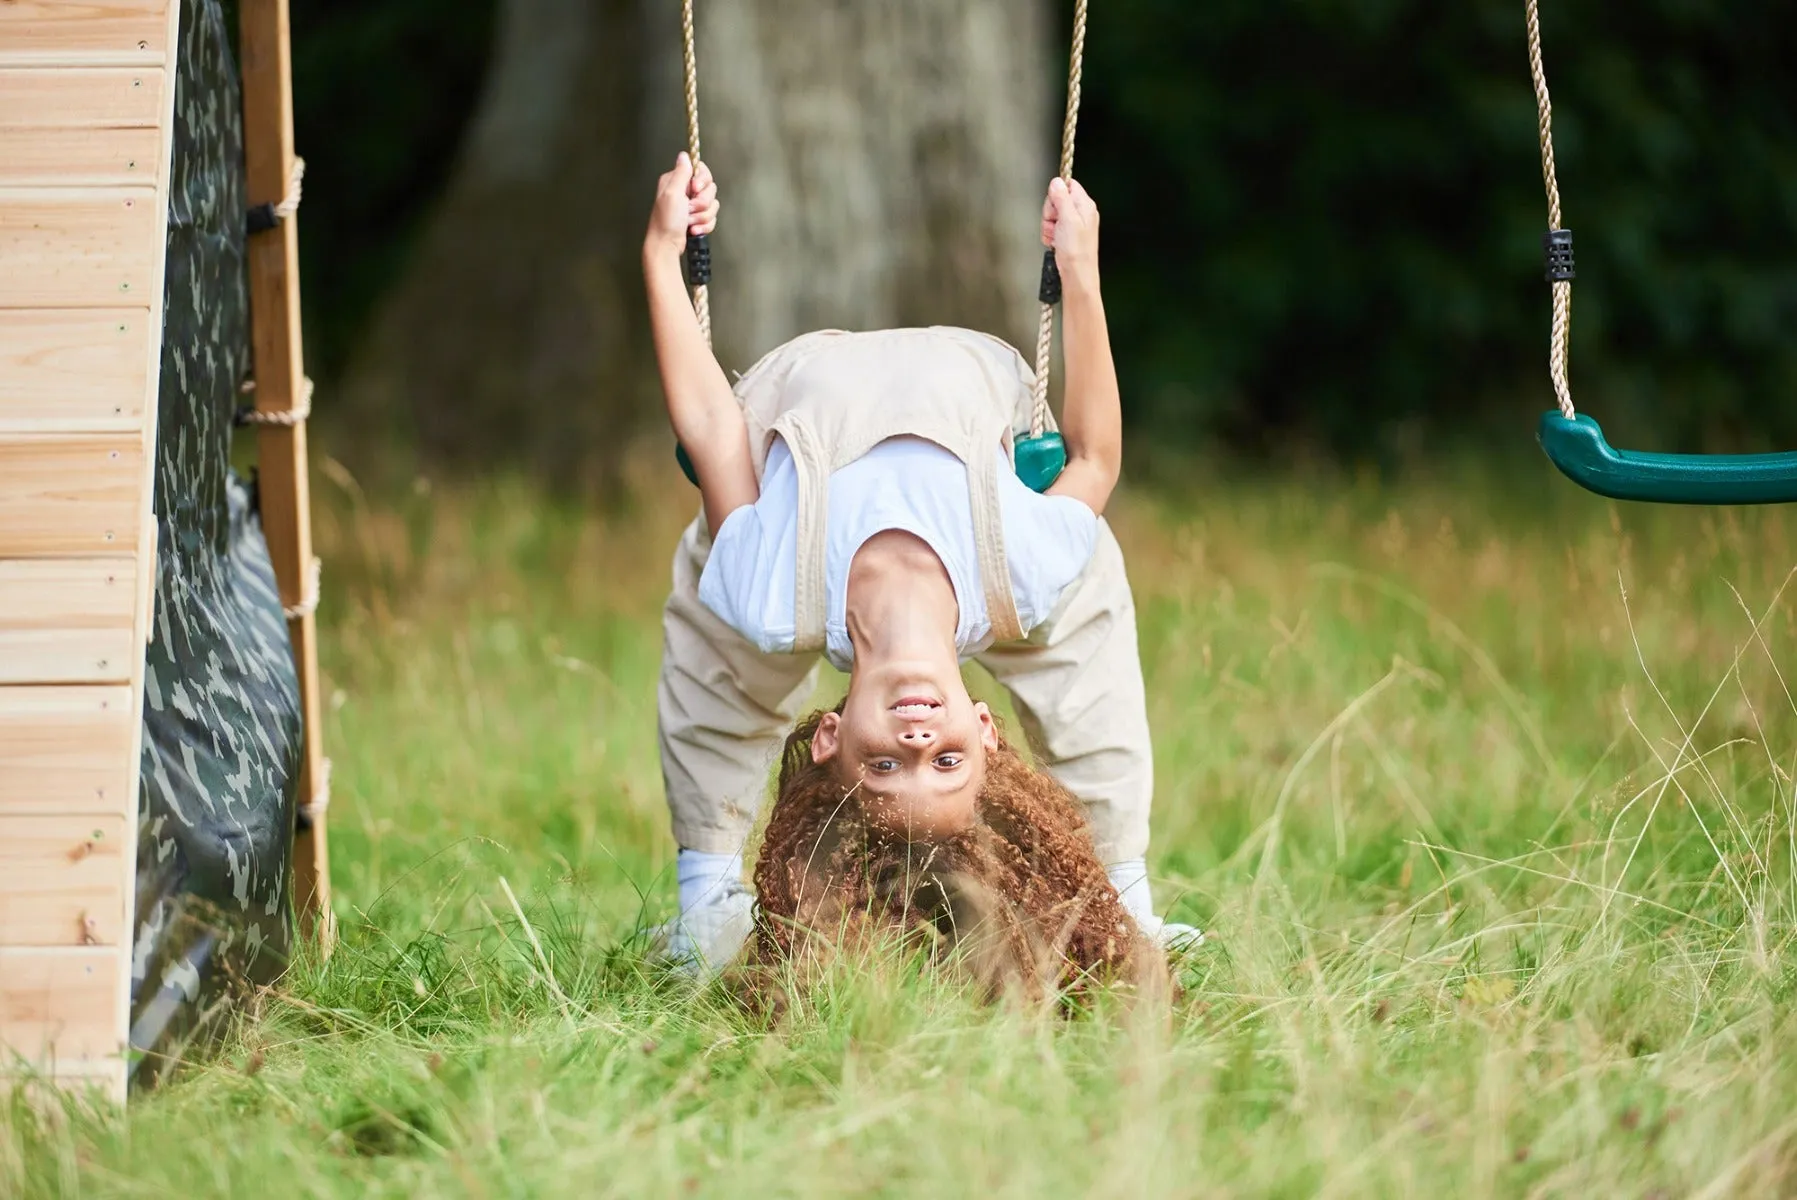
[(86, 121)]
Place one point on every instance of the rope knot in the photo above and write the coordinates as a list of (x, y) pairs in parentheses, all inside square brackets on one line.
[(264, 217)]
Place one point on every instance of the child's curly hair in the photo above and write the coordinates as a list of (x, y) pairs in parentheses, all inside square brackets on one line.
[(1022, 890)]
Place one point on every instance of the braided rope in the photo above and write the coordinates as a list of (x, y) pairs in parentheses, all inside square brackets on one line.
[(264, 217), (702, 309), (1045, 329), (314, 809), (701, 293), (309, 597), (291, 201), (1559, 348), (302, 407)]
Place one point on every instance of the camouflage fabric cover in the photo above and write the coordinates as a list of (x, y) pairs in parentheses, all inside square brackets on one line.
[(222, 732)]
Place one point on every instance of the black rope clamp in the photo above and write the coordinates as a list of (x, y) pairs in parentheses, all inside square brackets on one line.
[(1556, 244), (263, 218), (1050, 291), (698, 259)]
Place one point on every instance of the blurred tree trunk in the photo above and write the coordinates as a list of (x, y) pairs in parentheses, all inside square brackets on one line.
[(881, 163)]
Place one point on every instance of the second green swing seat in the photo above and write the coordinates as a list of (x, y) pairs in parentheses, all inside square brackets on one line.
[(1581, 452), (1574, 442)]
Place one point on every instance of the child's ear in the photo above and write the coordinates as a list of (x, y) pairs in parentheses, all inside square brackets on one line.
[(826, 741), (988, 727)]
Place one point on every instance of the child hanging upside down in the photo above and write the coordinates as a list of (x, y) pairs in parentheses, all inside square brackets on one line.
[(859, 501)]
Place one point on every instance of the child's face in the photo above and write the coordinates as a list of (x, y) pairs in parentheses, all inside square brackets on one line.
[(917, 747)]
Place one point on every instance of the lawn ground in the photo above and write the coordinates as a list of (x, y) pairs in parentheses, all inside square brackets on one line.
[(1483, 792)]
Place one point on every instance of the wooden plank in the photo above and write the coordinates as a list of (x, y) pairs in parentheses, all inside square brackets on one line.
[(59, 1008), (151, 566), (79, 247), (76, 98), (68, 620), (267, 64), (49, 32), (69, 370), (68, 750), (75, 496), (99, 1085), (73, 240), (77, 158), (62, 880), (78, 1077)]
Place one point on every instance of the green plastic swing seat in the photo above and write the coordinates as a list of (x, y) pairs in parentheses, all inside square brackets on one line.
[(1578, 448), (1040, 461)]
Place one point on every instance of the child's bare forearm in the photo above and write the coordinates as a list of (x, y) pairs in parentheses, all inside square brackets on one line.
[(1091, 413), (691, 380), (701, 406)]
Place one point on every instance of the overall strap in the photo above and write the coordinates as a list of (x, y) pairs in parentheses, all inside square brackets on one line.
[(989, 536), (810, 594)]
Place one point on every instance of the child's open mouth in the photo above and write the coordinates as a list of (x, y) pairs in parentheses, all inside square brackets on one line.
[(916, 707)]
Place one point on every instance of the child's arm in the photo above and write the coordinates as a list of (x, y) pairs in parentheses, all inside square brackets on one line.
[(701, 406), (1091, 413)]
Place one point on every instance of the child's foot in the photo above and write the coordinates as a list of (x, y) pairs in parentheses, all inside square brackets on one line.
[(717, 912), (1130, 878), (708, 936), (1171, 935)]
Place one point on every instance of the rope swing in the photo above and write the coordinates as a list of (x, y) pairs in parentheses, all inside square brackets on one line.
[(1573, 441), (1050, 293), (1041, 456), (698, 249)]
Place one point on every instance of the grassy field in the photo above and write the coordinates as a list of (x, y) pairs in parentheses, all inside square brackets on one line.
[(1483, 794)]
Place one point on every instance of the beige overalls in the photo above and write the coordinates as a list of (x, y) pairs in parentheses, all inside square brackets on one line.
[(1076, 681)]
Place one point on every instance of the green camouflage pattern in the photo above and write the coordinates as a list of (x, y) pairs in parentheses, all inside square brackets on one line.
[(222, 722)]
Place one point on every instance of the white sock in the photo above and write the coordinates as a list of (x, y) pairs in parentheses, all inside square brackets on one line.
[(1130, 878), (703, 876)]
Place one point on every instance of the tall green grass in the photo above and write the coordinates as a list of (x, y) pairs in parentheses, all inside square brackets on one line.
[(1483, 792)]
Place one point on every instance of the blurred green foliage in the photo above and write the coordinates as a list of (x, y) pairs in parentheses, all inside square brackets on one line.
[(1323, 217), (382, 90)]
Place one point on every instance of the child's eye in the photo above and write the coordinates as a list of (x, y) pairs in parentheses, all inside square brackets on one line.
[(883, 765), (948, 761)]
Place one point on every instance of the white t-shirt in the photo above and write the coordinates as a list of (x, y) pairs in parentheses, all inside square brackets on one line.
[(904, 483)]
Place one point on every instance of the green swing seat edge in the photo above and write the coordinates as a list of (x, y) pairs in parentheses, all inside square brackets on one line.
[(1040, 461), (1578, 448)]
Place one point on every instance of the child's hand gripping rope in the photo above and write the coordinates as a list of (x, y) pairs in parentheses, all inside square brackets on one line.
[(701, 407), (1070, 227), (686, 202)]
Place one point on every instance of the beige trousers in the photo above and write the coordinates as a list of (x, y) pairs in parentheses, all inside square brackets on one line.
[(725, 708)]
